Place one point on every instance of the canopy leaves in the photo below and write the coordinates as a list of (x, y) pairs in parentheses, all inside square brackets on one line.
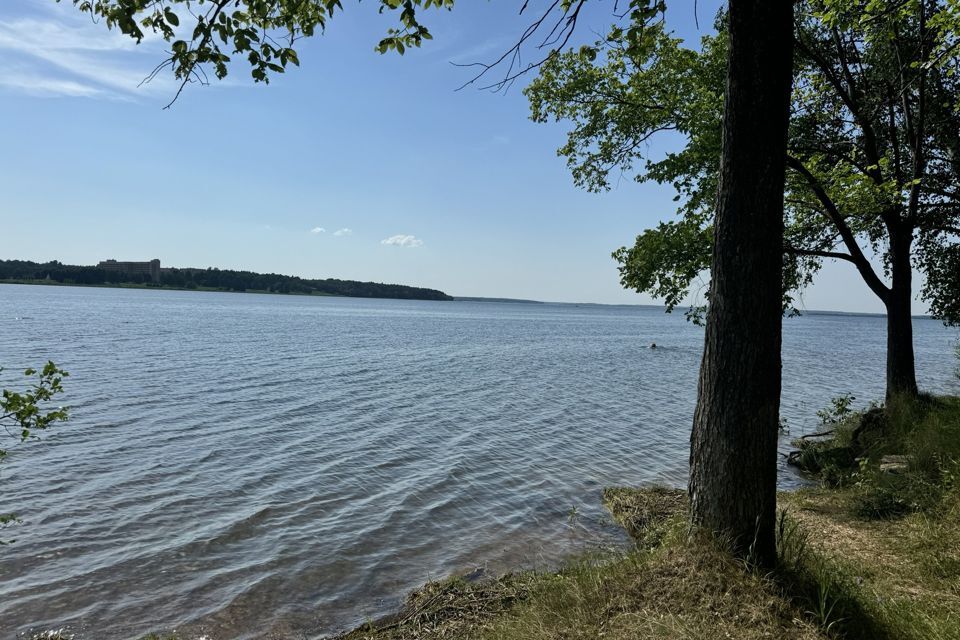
[(214, 33), (874, 148)]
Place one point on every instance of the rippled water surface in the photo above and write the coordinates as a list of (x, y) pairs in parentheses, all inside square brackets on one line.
[(269, 466)]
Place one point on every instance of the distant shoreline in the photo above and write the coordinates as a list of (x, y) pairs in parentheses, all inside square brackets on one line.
[(157, 287), (150, 275), (318, 294)]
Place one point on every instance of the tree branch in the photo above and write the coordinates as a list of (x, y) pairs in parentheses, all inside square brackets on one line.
[(943, 228), (869, 136), (919, 160), (556, 39), (820, 254), (846, 234)]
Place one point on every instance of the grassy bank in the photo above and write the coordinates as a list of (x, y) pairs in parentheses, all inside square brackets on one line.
[(874, 552), (883, 529)]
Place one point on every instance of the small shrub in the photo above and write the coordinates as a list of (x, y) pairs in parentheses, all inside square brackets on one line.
[(832, 464), (838, 411), (833, 459)]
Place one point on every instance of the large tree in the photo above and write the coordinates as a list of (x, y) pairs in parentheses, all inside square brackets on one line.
[(733, 455), (733, 473), (873, 151)]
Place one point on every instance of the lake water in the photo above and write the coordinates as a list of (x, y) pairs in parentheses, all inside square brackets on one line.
[(254, 466)]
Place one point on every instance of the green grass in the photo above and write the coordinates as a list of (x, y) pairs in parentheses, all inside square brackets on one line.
[(687, 588), (923, 434), (885, 544), (896, 578)]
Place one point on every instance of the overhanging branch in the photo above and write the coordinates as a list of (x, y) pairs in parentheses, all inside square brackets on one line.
[(819, 254), (846, 234)]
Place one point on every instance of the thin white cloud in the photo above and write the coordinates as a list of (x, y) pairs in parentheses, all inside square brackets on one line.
[(103, 72), (48, 34), (401, 240), (79, 51), (481, 51), (48, 87), (63, 52), (343, 232), (318, 230)]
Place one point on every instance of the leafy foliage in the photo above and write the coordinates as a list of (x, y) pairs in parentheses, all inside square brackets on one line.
[(24, 413), (838, 411), (214, 33), (205, 33), (874, 149), (619, 94), (683, 245), (942, 284)]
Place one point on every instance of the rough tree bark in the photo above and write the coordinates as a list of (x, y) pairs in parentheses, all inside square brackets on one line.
[(901, 370), (733, 446)]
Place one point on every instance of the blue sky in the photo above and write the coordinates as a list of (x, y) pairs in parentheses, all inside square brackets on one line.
[(409, 180)]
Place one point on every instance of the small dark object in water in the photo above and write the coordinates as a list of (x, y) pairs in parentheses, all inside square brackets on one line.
[(653, 345)]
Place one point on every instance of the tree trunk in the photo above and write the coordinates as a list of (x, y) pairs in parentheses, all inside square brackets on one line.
[(733, 449), (901, 371)]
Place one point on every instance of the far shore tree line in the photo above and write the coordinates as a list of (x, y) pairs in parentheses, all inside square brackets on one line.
[(212, 278), (857, 97)]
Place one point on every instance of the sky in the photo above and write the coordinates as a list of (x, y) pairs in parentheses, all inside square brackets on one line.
[(355, 165)]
